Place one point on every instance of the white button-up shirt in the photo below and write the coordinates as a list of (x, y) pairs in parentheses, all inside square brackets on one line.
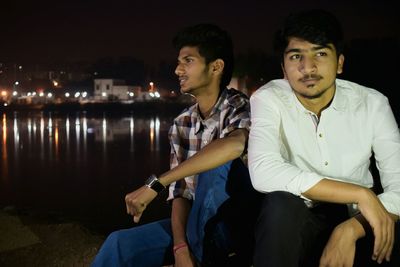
[(289, 150)]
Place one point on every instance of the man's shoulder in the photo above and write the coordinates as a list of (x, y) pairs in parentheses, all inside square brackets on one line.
[(234, 97), (278, 88), (357, 93)]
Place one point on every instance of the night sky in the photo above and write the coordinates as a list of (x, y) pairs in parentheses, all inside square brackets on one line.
[(47, 31)]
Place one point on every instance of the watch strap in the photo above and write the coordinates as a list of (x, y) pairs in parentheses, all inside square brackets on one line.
[(153, 183)]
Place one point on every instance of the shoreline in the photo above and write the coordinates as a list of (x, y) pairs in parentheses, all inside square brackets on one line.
[(99, 108)]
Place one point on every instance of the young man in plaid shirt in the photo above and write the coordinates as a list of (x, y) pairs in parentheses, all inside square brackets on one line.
[(208, 143)]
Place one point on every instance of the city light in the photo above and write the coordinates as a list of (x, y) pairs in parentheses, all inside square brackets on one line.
[(77, 94), (4, 93), (15, 93), (67, 94), (84, 94), (49, 95)]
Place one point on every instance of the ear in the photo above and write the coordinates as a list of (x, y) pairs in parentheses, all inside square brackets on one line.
[(218, 66), (340, 64), (284, 72)]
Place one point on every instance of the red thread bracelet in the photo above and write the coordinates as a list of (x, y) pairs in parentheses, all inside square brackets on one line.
[(179, 246)]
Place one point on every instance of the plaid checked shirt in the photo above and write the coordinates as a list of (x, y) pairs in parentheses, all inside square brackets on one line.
[(190, 133)]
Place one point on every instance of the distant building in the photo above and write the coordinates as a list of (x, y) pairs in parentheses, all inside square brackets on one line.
[(114, 90)]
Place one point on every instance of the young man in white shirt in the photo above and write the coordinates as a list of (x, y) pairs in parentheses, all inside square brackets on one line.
[(310, 144)]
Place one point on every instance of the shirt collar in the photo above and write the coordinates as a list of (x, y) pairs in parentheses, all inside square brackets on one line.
[(338, 103), (200, 122)]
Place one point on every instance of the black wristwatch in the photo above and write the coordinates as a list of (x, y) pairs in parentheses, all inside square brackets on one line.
[(153, 183)]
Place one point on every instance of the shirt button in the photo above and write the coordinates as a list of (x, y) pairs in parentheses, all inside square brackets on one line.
[(320, 135), (205, 142), (326, 163)]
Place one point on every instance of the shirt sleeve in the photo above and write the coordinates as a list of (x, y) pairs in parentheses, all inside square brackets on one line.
[(177, 154), (386, 147), (269, 170), (238, 116)]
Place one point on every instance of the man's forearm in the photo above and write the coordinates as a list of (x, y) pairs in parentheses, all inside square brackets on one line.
[(215, 154), (336, 192), (180, 213)]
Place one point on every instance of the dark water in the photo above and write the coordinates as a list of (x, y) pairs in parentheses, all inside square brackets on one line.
[(74, 167)]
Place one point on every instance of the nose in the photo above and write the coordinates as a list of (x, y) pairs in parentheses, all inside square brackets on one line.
[(179, 70), (307, 65)]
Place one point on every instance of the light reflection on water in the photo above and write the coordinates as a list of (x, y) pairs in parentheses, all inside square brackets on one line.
[(78, 166)]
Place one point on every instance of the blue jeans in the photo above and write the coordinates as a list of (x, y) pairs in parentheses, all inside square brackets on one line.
[(151, 244)]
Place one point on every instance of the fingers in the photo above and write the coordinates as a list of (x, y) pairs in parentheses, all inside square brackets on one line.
[(388, 246), (378, 233), (384, 240), (137, 217), (391, 243), (134, 206)]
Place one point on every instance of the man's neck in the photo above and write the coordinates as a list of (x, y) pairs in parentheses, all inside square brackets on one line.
[(206, 101), (317, 105)]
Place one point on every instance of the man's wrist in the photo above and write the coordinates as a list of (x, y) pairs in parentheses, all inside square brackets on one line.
[(364, 223), (154, 183), (179, 246)]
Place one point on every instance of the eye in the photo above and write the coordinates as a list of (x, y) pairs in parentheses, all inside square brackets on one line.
[(295, 57), (188, 60), (322, 54)]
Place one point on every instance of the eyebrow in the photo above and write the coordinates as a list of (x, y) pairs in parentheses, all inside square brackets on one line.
[(184, 57), (315, 48)]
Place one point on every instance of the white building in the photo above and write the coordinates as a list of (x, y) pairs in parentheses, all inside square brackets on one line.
[(113, 89)]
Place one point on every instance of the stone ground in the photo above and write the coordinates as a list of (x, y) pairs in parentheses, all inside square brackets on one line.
[(30, 241)]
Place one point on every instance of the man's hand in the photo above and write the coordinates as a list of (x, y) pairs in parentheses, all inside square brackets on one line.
[(382, 225), (183, 258), (341, 247), (137, 201)]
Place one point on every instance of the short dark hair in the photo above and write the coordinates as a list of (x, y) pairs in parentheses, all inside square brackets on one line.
[(212, 42), (315, 26)]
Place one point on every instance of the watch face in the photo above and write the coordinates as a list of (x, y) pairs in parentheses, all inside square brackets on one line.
[(151, 180)]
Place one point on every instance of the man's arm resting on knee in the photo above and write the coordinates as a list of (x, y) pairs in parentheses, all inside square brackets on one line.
[(215, 154), (381, 221)]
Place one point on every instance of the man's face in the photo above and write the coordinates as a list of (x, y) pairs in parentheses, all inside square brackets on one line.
[(192, 71), (311, 69)]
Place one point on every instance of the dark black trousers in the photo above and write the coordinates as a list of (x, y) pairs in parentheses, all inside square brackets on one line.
[(289, 234)]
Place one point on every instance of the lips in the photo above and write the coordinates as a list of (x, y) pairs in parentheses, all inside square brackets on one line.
[(310, 80), (182, 80)]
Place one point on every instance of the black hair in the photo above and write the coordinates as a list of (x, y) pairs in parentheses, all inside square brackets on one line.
[(212, 42), (315, 26)]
